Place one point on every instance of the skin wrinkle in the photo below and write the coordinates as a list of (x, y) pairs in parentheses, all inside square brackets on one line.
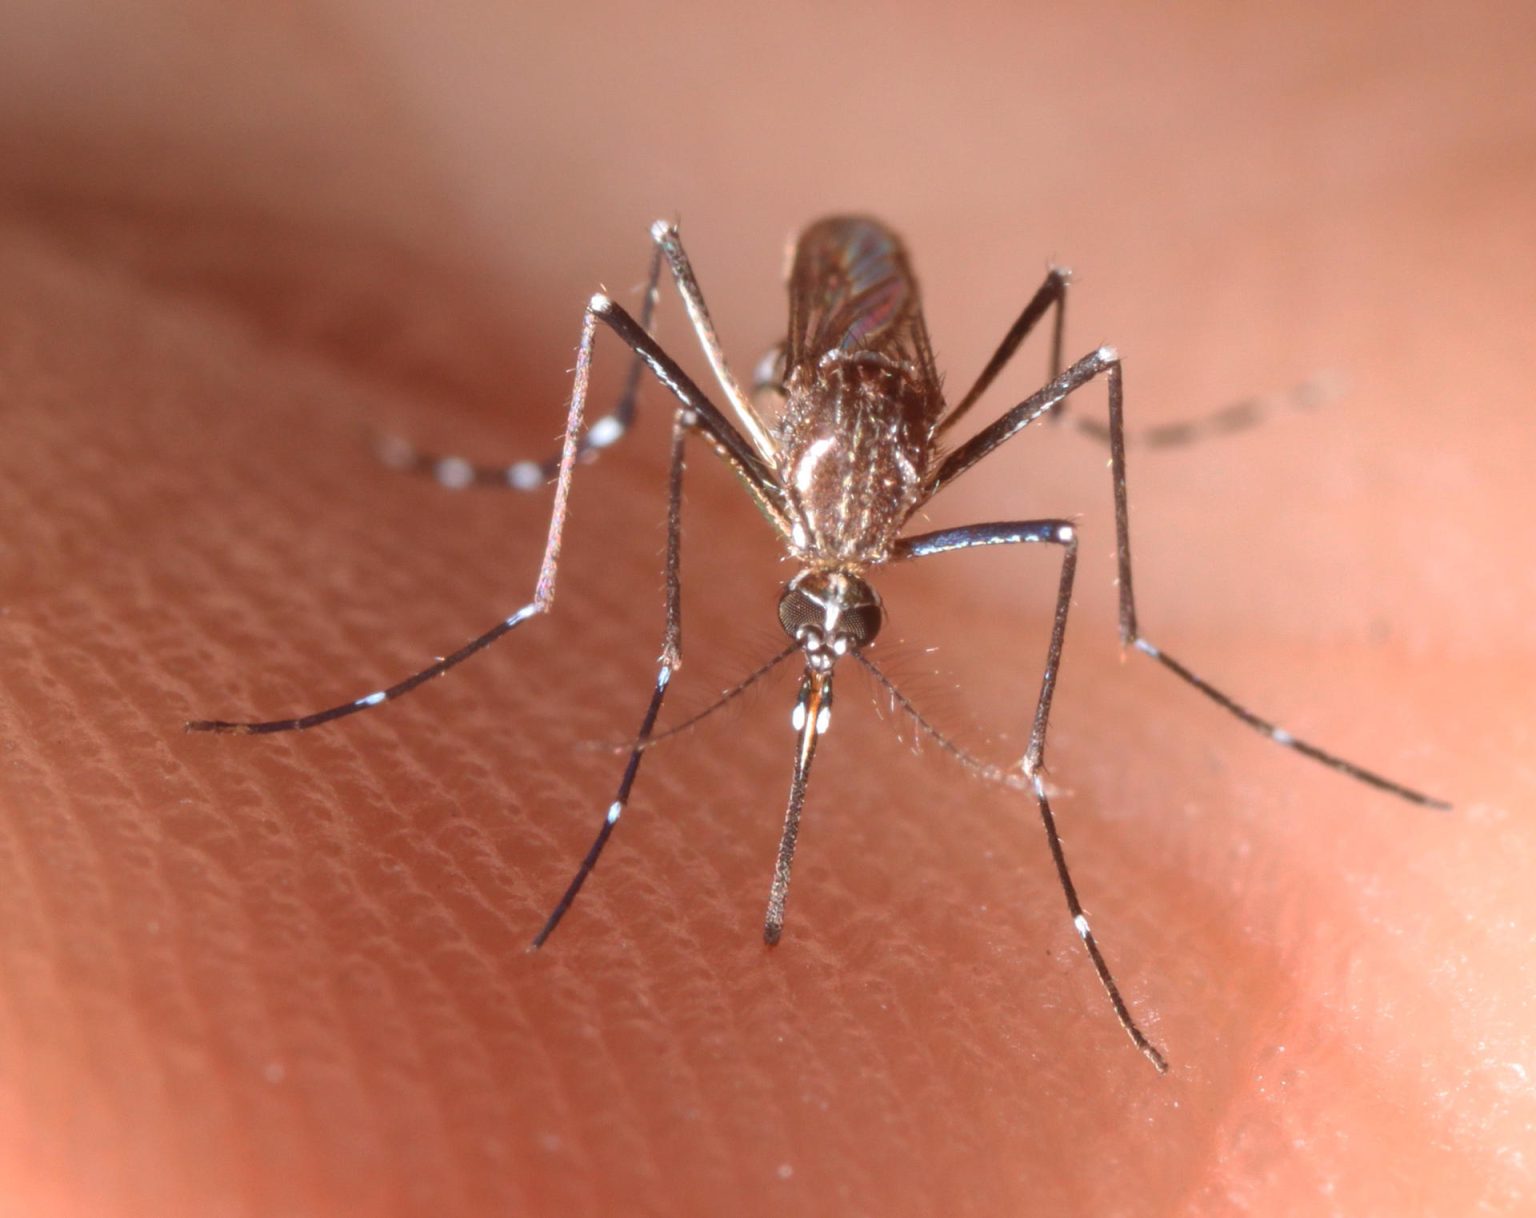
[(195, 524)]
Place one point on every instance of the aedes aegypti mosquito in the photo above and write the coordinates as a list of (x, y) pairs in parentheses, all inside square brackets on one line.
[(854, 449)]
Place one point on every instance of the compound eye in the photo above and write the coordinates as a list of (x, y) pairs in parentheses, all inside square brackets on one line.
[(798, 610), (860, 623)]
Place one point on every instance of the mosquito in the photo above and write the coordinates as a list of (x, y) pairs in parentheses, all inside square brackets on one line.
[(842, 441)]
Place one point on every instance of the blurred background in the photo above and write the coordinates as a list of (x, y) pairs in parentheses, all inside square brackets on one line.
[(238, 239)]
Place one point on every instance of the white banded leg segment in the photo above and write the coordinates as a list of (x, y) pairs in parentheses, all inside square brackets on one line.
[(459, 473), (379, 696), (1055, 532), (1106, 362), (1064, 534), (1233, 417), (1080, 922), (1284, 738), (544, 589), (695, 412), (615, 811), (456, 473), (726, 696), (699, 414)]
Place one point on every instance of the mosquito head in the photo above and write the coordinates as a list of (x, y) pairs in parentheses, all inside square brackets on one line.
[(829, 613)]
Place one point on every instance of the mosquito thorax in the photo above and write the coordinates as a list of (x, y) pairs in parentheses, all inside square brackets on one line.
[(829, 613)]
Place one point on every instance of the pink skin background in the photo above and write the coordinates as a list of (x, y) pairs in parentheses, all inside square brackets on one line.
[(287, 975)]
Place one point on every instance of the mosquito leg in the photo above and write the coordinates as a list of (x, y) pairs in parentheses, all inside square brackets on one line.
[(1085, 932), (458, 473), (1106, 362), (544, 588), (1052, 292), (728, 443), (664, 233), (1236, 416), (1064, 534), (671, 659), (698, 412)]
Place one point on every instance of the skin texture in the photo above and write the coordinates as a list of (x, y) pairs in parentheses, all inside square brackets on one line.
[(288, 976)]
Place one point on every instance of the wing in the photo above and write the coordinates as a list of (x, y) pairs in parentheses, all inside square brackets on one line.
[(850, 291)]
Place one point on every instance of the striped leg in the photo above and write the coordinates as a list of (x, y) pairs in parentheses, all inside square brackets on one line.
[(1061, 533), (459, 473), (697, 412), (1236, 416), (1106, 362), (671, 659)]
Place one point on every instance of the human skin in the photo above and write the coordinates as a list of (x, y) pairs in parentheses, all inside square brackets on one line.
[(288, 975)]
